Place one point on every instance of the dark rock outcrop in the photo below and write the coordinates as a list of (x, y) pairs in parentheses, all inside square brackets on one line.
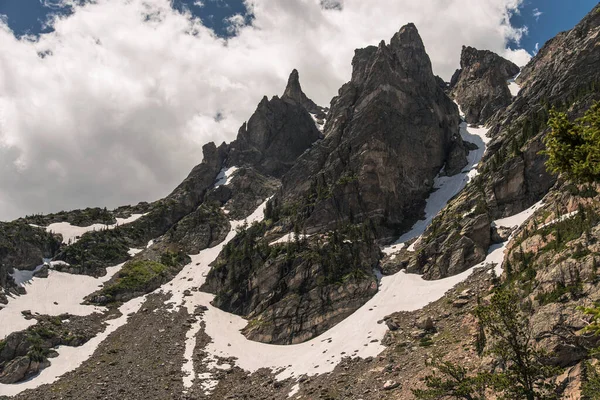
[(388, 133), (246, 191), (278, 132), (22, 246), (513, 175), (205, 227), (24, 353), (293, 291), (480, 86), (566, 80), (293, 91)]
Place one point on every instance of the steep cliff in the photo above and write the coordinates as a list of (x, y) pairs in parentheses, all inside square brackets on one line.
[(480, 87), (513, 174), (389, 132)]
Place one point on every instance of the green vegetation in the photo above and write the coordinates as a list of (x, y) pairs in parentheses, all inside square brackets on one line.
[(136, 276), (426, 341), (97, 249), (590, 388), (451, 381), (594, 312), (509, 341), (573, 148), (591, 382), (570, 229), (341, 256)]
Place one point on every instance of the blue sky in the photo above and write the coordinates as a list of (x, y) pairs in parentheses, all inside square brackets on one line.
[(28, 16), (544, 18)]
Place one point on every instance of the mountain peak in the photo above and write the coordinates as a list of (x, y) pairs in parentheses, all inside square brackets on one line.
[(293, 91), (407, 36)]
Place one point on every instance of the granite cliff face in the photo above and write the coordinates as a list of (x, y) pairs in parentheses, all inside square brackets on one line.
[(480, 85), (389, 132), (293, 291), (277, 133), (513, 172)]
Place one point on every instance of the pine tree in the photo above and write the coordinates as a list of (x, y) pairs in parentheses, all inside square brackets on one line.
[(573, 148)]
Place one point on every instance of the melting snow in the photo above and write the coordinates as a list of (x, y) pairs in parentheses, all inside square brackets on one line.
[(517, 219), (225, 175), (59, 293), (288, 238), (71, 233), (513, 86), (352, 337), (446, 187), (70, 358)]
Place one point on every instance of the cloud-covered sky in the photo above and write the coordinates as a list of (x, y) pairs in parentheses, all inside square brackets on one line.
[(112, 104)]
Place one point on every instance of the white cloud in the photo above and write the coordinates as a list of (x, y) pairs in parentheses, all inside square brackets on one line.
[(118, 110), (537, 14), (519, 57)]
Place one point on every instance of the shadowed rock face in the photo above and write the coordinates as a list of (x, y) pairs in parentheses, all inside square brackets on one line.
[(293, 91), (388, 133), (480, 86), (23, 246), (277, 133), (513, 174)]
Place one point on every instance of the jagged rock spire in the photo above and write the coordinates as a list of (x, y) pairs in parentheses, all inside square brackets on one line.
[(480, 86), (293, 91)]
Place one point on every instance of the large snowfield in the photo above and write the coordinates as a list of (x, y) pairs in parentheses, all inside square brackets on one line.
[(359, 335)]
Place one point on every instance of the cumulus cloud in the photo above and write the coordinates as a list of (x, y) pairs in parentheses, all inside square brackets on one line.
[(113, 106)]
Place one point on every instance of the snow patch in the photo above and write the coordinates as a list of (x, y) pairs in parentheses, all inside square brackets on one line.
[(133, 252), (288, 238), (513, 221), (71, 233), (351, 337), (225, 175), (70, 358), (446, 187), (59, 293), (319, 123), (513, 86), (517, 219), (295, 390)]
